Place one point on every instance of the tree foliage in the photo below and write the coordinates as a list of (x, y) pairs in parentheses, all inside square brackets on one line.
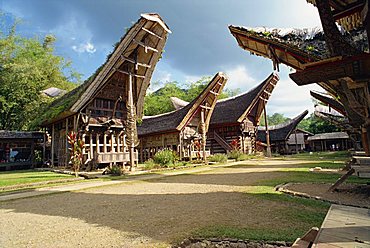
[(312, 124), (317, 125), (159, 102), (274, 119), (27, 66)]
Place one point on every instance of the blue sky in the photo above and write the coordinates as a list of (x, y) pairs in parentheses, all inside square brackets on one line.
[(200, 43)]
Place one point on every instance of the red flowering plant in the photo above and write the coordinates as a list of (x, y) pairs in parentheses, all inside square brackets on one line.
[(234, 145), (76, 146)]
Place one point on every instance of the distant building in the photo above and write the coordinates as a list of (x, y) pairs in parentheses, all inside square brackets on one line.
[(336, 141), (183, 130), (285, 138), (236, 118), (18, 149)]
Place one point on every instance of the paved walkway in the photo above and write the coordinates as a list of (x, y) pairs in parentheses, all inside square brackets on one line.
[(345, 226), (86, 184)]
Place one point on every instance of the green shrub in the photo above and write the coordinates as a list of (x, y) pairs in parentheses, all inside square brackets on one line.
[(149, 165), (234, 154), (218, 158), (165, 157), (239, 156), (115, 171)]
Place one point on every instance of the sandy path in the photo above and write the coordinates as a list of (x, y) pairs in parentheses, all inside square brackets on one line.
[(150, 213)]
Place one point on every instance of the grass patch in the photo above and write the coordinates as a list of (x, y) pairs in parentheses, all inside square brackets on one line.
[(250, 233), (299, 176), (269, 193), (12, 178), (340, 155)]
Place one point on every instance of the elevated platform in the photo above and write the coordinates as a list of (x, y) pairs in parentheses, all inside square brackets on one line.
[(344, 226)]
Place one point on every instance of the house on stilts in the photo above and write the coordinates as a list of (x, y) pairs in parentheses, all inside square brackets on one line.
[(183, 130), (337, 60), (104, 110), (285, 138), (236, 118)]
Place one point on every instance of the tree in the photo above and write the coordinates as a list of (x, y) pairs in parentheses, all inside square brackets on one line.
[(27, 66), (159, 102), (315, 125), (274, 119)]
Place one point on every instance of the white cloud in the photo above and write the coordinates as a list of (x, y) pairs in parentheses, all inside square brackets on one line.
[(238, 77), (84, 47), (290, 99), (191, 78)]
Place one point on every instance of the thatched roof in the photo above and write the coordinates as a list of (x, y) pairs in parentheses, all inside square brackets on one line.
[(5, 134), (328, 136), (150, 33), (331, 102), (177, 119), (235, 109), (293, 47), (282, 131)]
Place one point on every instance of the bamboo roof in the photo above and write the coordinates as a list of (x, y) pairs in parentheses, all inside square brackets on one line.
[(144, 41), (176, 120), (282, 131)]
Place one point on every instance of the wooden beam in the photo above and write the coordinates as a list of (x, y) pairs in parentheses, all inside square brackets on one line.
[(146, 48), (152, 33), (264, 99), (214, 93), (135, 62), (128, 73), (268, 93), (205, 107)]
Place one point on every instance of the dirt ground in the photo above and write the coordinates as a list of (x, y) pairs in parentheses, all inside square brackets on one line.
[(347, 194), (150, 213)]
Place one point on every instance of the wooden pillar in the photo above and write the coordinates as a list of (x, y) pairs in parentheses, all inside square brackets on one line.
[(130, 101), (44, 147), (365, 141), (52, 144), (97, 144), (118, 144), (105, 143), (66, 148), (268, 149), (296, 141), (84, 140), (32, 153), (91, 146), (180, 146), (112, 143), (322, 146), (204, 139)]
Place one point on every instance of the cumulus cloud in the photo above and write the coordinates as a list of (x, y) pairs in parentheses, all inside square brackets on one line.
[(239, 77), (291, 99), (84, 47)]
